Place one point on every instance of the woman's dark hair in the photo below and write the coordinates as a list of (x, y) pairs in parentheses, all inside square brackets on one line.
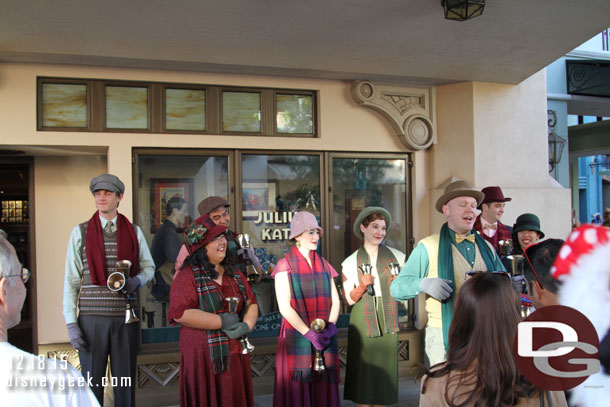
[(516, 245), (372, 218), (200, 259), (480, 363)]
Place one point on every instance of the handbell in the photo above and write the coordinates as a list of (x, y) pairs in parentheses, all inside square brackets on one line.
[(130, 313), (244, 242), (367, 269), (246, 346), (318, 325), (116, 281)]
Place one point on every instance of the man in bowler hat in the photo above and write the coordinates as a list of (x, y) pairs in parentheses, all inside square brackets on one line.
[(438, 265), (488, 222), (100, 329)]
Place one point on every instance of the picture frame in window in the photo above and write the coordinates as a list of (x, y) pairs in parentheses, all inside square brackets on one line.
[(161, 191), (258, 197)]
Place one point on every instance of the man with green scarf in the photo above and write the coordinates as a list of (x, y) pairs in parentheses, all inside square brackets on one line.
[(439, 263)]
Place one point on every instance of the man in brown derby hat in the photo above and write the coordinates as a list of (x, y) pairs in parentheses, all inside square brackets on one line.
[(217, 208), (488, 222), (439, 263)]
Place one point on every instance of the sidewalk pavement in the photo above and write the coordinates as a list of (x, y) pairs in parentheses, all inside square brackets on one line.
[(408, 395)]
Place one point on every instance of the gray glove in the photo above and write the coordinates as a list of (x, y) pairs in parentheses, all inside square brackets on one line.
[(438, 288), (248, 253), (237, 331), (228, 320), (132, 284), (76, 337)]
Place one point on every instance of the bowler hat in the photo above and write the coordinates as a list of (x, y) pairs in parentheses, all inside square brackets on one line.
[(107, 182), (210, 203), (302, 222), (458, 188), (366, 212), (201, 232), (528, 221), (494, 194)]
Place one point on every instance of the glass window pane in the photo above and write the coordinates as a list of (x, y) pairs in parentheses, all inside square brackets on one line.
[(161, 178), (357, 184), (274, 187), (126, 107), (64, 105), (294, 114), (241, 111), (184, 109)]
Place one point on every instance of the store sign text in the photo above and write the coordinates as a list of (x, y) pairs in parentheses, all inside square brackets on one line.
[(280, 219)]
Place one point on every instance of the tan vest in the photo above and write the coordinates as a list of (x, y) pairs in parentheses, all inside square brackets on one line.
[(460, 268)]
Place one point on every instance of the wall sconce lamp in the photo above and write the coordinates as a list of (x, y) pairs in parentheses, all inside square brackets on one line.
[(556, 143), (462, 10)]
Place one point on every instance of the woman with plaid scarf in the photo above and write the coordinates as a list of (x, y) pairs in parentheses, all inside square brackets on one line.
[(305, 291), (372, 361), (213, 372)]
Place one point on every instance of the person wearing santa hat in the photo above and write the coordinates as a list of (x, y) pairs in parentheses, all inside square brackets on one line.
[(583, 268)]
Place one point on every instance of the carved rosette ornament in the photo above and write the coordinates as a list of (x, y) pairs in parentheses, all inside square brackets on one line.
[(408, 109)]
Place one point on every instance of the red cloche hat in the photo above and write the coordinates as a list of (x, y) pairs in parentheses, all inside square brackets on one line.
[(201, 232)]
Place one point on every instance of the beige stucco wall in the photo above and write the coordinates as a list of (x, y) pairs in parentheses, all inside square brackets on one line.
[(487, 133), (62, 200), (494, 134)]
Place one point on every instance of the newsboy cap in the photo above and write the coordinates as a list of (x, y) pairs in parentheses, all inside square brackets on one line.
[(108, 182), (210, 203)]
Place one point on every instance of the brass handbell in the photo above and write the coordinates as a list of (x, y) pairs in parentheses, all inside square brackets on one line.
[(244, 242), (246, 346), (318, 325), (116, 282)]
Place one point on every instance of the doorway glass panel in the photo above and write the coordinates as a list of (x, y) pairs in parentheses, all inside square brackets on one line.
[(161, 178), (274, 187)]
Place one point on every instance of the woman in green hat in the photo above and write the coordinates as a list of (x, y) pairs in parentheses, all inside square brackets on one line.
[(372, 360), (526, 231)]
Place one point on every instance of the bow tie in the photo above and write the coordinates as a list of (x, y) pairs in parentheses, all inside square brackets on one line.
[(460, 238), (490, 226)]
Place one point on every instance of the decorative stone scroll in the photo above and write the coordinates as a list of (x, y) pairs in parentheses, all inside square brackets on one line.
[(408, 109)]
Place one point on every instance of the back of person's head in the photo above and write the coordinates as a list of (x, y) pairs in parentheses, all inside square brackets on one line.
[(480, 360), (6, 258), (542, 255), (174, 203)]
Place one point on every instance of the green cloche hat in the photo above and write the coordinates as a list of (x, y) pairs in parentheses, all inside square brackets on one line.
[(365, 213)]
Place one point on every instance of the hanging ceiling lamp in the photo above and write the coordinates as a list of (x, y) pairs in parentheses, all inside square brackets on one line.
[(462, 10)]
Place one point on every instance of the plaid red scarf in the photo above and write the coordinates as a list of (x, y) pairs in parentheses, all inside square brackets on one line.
[(128, 247), (385, 257), (212, 301), (311, 298)]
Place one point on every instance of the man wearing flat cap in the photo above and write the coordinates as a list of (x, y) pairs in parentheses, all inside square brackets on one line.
[(217, 209), (439, 263), (100, 329), (488, 222)]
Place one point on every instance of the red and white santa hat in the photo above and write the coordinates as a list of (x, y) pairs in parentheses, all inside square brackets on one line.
[(583, 267), (582, 241)]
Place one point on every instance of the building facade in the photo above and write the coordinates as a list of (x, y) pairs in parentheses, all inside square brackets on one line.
[(354, 155)]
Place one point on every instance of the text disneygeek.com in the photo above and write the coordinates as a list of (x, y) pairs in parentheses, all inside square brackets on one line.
[(53, 374)]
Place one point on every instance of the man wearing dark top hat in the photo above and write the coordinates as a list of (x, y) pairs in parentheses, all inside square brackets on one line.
[(100, 329), (488, 222), (438, 265)]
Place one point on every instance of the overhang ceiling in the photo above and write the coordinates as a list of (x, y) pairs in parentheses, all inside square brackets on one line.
[(386, 40)]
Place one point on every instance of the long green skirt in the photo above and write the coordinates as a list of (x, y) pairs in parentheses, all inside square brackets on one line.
[(372, 363)]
